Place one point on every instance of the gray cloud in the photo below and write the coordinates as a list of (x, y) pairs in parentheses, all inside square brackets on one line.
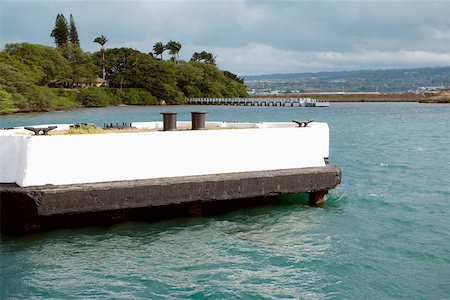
[(252, 37)]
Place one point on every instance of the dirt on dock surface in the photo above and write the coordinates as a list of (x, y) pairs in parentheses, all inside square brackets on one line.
[(355, 97)]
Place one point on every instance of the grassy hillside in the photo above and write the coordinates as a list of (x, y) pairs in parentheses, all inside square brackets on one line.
[(41, 78)]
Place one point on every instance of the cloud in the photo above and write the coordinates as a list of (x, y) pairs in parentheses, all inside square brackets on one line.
[(441, 34), (250, 37), (264, 59)]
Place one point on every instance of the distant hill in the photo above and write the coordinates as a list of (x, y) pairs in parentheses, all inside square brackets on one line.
[(393, 80)]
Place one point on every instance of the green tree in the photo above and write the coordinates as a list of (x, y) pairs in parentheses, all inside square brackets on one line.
[(121, 66), (95, 97), (51, 62), (233, 76), (60, 33), (83, 68), (6, 102), (73, 33), (129, 68), (196, 57), (174, 49), (102, 41), (189, 78), (158, 49), (27, 71), (14, 70), (136, 97), (205, 57), (23, 67), (208, 58)]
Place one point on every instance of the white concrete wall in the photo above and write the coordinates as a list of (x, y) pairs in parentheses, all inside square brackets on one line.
[(70, 159), (13, 157)]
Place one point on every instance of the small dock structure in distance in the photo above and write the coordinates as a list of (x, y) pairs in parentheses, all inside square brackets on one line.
[(298, 102), (60, 176)]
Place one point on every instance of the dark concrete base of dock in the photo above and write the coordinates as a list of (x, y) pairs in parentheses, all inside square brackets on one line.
[(26, 209)]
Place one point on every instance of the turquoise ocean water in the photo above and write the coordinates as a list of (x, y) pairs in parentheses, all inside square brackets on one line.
[(383, 233)]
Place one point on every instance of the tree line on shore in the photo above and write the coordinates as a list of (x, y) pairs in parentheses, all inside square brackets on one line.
[(40, 78)]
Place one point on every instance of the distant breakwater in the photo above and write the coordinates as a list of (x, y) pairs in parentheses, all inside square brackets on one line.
[(354, 97)]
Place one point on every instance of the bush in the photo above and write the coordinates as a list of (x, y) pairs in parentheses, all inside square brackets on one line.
[(171, 94), (191, 91), (63, 99), (95, 97), (6, 102), (234, 89), (85, 129), (65, 102), (20, 102), (37, 97), (136, 97), (49, 61), (213, 89)]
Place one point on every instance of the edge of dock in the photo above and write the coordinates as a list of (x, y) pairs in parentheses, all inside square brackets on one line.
[(27, 209)]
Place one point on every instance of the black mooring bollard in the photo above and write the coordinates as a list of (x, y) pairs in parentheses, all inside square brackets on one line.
[(198, 120), (169, 121)]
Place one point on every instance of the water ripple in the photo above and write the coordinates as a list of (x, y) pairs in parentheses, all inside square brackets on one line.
[(382, 234)]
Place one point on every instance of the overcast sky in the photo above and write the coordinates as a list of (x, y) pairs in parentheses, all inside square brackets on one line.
[(253, 37)]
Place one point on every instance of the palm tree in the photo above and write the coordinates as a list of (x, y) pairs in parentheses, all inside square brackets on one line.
[(208, 58), (204, 56), (102, 41), (196, 57), (174, 49), (159, 49)]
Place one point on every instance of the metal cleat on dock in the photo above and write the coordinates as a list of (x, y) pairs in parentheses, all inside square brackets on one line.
[(40, 130), (302, 123)]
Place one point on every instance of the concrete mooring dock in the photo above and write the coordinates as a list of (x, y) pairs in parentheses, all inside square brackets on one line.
[(58, 179), (25, 209)]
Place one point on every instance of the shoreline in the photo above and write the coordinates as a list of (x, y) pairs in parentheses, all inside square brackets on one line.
[(336, 98), (432, 98)]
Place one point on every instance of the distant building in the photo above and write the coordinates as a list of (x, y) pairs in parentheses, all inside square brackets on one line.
[(251, 91)]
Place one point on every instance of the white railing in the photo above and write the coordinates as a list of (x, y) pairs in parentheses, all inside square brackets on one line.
[(258, 101)]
